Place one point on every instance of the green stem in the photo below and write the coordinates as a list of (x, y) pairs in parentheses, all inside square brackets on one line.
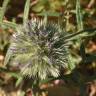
[(26, 11)]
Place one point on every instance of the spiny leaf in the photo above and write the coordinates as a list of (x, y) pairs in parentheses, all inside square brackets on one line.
[(39, 55)]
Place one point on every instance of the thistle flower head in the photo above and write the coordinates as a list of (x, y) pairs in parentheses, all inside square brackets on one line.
[(38, 50)]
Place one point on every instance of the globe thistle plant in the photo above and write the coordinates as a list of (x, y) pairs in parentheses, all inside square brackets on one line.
[(39, 50)]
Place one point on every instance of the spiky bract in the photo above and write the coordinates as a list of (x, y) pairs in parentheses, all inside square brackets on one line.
[(38, 49)]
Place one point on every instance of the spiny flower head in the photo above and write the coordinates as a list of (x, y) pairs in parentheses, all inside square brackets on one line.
[(39, 50)]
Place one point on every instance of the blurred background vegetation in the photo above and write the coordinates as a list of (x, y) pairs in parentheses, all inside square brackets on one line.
[(76, 15)]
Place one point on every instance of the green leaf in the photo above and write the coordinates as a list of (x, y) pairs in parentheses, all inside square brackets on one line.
[(26, 11), (19, 81), (71, 64), (37, 8), (41, 6), (8, 24), (3, 9), (11, 73), (90, 58), (4, 37), (82, 51), (54, 14), (84, 33), (79, 16)]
